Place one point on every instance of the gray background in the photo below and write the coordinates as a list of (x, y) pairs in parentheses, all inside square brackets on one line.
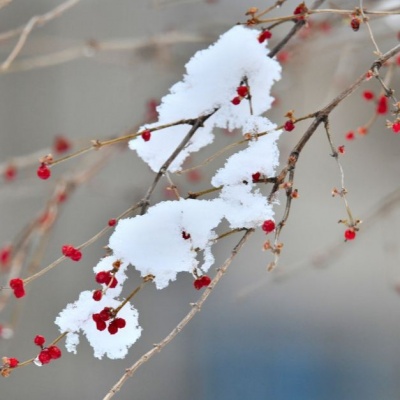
[(301, 332)]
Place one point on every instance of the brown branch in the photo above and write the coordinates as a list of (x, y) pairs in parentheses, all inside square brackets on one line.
[(196, 307)]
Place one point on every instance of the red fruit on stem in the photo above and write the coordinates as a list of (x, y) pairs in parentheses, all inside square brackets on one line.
[(76, 255), (185, 235), (289, 125), (12, 362), (146, 135), (43, 172), (349, 234), (102, 277), (54, 352), (341, 149), (97, 295), (105, 314), (256, 177), (368, 95), (44, 356), (16, 283), (205, 280), (268, 226), (39, 340), (112, 328), (350, 135), (382, 106), (355, 24), (61, 144), (10, 173), (236, 100), (242, 91), (198, 284), (264, 35), (67, 250), (112, 222), (396, 127), (19, 292), (120, 322), (101, 325)]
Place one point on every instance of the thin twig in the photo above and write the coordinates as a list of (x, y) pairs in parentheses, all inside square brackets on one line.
[(27, 29)]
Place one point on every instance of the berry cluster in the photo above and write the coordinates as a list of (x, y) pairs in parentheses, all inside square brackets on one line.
[(17, 285), (202, 281), (107, 278), (71, 252), (268, 226), (47, 353), (243, 92), (105, 315)]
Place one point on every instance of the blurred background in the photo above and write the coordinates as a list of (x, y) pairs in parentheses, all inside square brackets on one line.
[(324, 325)]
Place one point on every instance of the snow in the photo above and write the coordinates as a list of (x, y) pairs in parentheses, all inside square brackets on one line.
[(153, 243)]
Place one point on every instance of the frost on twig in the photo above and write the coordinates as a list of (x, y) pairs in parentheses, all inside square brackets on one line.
[(173, 236)]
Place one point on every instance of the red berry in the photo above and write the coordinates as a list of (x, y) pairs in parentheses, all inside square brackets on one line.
[(44, 356), (236, 100), (242, 91), (102, 277), (120, 322), (67, 250), (396, 127), (105, 314), (355, 24), (61, 144), (349, 234), (398, 59), (76, 255), (43, 172), (10, 173), (205, 280), (268, 226), (185, 235), (112, 222), (97, 295), (198, 284), (341, 149), (300, 9), (289, 125), (96, 317), (368, 95), (39, 340), (350, 135), (362, 130), (146, 135), (101, 325), (264, 35), (54, 352), (12, 362), (112, 328), (19, 292), (256, 177), (382, 106), (111, 281), (16, 283)]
